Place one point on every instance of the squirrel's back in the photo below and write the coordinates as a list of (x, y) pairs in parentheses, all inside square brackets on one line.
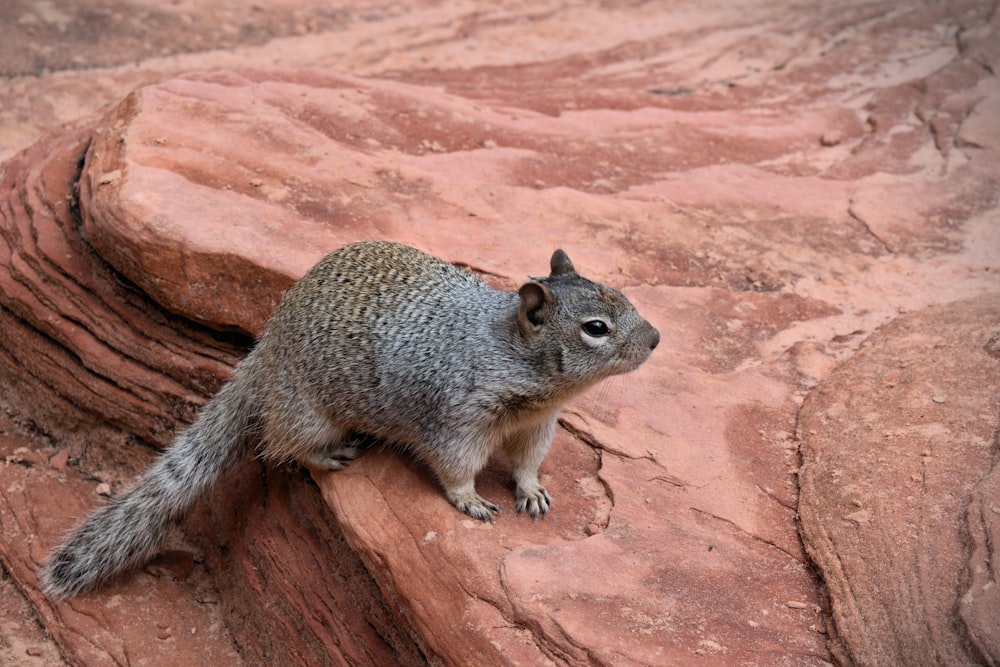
[(380, 338)]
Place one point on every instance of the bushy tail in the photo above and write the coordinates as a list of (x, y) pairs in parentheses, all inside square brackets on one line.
[(126, 532)]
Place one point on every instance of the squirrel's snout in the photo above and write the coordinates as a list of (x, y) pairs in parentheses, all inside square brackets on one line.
[(654, 339)]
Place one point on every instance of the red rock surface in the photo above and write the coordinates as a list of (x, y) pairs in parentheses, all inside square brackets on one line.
[(899, 489), (770, 184)]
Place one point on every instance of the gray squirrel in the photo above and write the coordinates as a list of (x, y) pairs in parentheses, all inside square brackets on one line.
[(380, 341)]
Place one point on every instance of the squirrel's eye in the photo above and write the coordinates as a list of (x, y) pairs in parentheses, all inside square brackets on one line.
[(596, 328)]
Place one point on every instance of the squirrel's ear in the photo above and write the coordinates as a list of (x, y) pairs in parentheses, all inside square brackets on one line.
[(536, 304), (561, 264)]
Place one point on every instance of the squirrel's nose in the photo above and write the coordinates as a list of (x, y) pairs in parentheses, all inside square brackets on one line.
[(654, 340)]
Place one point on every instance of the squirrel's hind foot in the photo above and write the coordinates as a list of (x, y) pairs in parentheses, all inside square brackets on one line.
[(336, 458)]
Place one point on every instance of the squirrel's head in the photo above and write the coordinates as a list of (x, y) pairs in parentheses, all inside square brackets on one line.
[(590, 331)]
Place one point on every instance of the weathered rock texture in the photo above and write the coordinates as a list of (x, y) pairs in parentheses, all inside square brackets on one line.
[(899, 489), (770, 184)]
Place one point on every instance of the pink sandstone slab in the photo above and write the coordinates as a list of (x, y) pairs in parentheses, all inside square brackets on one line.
[(899, 497), (376, 159)]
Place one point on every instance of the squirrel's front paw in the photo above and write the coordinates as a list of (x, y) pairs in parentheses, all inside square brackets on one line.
[(535, 500), (474, 505)]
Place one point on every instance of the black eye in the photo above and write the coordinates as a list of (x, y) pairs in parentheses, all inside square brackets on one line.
[(596, 328)]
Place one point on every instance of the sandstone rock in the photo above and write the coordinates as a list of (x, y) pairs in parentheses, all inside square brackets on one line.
[(899, 490), (691, 164), (59, 460), (147, 617), (356, 164)]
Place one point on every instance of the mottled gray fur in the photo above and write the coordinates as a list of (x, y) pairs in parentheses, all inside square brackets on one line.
[(380, 340)]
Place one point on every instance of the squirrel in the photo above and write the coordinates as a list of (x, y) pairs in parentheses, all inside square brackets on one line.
[(381, 342)]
